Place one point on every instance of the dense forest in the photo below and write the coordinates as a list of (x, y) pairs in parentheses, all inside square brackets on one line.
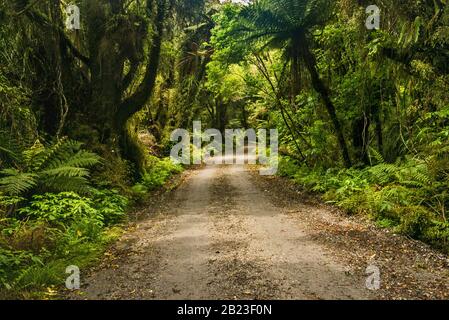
[(86, 113)]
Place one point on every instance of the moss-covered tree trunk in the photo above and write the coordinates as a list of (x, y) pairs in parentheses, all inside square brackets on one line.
[(129, 145)]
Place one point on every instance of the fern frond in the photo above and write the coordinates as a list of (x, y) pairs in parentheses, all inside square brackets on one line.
[(15, 182), (65, 171), (30, 154), (80, 159), (377, 155), (53, 154), (60, 184), (63, 153), (10, 149), (59, 167)]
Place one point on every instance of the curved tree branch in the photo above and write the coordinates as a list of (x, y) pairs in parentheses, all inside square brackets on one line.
[(135, 102)]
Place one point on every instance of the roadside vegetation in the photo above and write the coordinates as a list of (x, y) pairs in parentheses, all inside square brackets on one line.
[(55, 214)]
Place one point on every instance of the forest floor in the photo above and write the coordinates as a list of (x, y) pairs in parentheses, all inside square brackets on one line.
[(228, 233)]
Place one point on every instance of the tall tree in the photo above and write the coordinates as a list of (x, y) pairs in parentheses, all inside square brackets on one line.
[(289, 24)]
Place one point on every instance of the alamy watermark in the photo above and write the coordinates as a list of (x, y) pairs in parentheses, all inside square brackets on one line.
[(373, 20), (373, 280), (73, 19), (73, 280), (240, 147)]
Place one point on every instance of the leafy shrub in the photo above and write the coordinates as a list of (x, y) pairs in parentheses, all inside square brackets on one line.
[(438, 233), (60, 209), (386, 223), (72, 214), (139, 189), (110, 205), (154, 179), (415, 220), (159, 171), (403, 195), (287, 167), (12, 263), (311, 180), (8, 204), (55, 230)]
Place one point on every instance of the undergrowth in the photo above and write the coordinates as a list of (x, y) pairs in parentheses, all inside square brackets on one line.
[(405, 196), (53, 216)]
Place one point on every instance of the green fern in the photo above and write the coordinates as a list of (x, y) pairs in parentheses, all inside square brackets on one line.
[(15, 183), (376, 154), (62, 166), (413, 172)]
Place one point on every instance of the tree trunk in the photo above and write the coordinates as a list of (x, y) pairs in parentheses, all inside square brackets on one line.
[(319, 86), (129, 107), (378, 122), (221, 112), (295, 72)]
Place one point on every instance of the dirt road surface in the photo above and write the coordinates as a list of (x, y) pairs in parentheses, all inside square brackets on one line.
[(228, 233)]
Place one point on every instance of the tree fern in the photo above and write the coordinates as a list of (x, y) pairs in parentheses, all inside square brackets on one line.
[(280, 21)]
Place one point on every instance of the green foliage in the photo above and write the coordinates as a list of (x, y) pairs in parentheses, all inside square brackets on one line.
[(229, 48), (59, 167), (157, 173), (287, 167), (386, 223), (232, 65), (437, 234), (53, 231), (415, 221), (399, 196), (17, 121), (12, 262), (24, 274), (277, 22), (105, 207), (63, 209), (110, 205)]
